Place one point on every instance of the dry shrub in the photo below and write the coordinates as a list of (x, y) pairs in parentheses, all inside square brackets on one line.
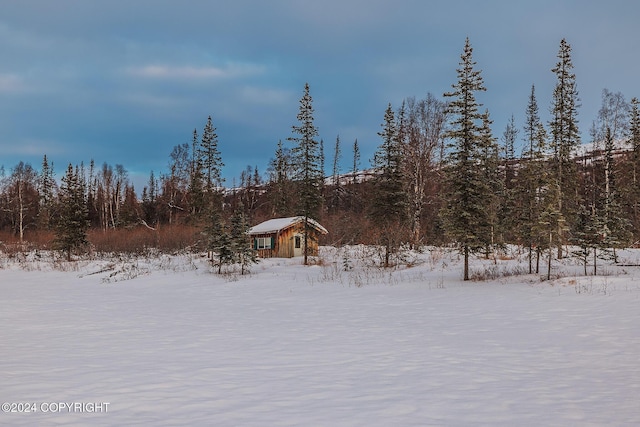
[(178, 237), (11, 246), (172, 238), (135, 240), (493, 272), (117, 240)]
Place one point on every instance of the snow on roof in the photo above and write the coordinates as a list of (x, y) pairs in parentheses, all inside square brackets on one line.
[(278, 224)]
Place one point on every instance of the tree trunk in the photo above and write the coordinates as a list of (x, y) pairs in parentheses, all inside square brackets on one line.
[(387, 251), (466, 263), (550, 251), (21, 212), (306, 240)]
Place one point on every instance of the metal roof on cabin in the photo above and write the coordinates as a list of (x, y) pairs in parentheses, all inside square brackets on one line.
[(278, 224)]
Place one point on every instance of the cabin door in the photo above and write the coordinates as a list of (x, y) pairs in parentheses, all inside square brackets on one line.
[(298, 245)]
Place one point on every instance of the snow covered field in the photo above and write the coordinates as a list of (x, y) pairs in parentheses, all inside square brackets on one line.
[(291, 345)]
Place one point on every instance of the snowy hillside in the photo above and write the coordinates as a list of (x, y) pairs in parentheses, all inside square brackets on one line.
[(163, 341)]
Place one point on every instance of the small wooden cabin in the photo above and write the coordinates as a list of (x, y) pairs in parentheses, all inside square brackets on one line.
[(284, 237)]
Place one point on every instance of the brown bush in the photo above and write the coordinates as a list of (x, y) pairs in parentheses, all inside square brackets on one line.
[(168, 238), (171, 238), (33, 240)]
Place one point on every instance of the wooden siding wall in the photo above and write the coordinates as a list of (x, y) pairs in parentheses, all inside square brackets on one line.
[(284, 243), (265, 253)]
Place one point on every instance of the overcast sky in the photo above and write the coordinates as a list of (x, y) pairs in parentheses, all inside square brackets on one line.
[(124, 81)]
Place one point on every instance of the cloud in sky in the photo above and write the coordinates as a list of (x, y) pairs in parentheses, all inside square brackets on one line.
[(123, 82), (11, 83), (186, 72)]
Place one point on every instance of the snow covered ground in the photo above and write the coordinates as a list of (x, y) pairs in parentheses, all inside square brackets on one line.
[(162, 341)]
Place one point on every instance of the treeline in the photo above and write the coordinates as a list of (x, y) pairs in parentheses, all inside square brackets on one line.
[(439, 176)]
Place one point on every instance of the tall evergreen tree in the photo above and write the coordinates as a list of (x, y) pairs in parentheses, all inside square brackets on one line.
[(489, 164), (355, 204), (196, 179), (322, 159), (337, 154), (533, 180), (586, 236), (532, 125), (356, 160), (209, 161), (243, 253), (72, 221), (464, 213), (46, 189), (280, 182), (634, 137), (508, 220), (210, 158), (149, 201), (551, 224), (307, 162), (616, 234), (218, 241), (633, 193), (388, 209), (335, 176), (565, 136)]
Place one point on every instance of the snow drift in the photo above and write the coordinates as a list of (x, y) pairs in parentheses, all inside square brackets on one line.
[(164, 341)]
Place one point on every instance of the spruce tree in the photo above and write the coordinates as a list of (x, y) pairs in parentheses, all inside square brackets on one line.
[(634, 137), (388, 208), (355, 204), (224, 251), (464, 213), (47, 186), (533, 179), (586, 236), (196, 179), (565, 136), (551, 224), (322, 160), (356, 161), (218, 241), (615, 233), (335, 175), (72, 219), (280, 182), (489, 165), (307, 162), (508, 220), (634, 140), (209, 161), (243, 253), (149, 201), (210, 158)]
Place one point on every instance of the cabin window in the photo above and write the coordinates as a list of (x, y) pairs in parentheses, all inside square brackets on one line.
[(263, 242), (298, 242)]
